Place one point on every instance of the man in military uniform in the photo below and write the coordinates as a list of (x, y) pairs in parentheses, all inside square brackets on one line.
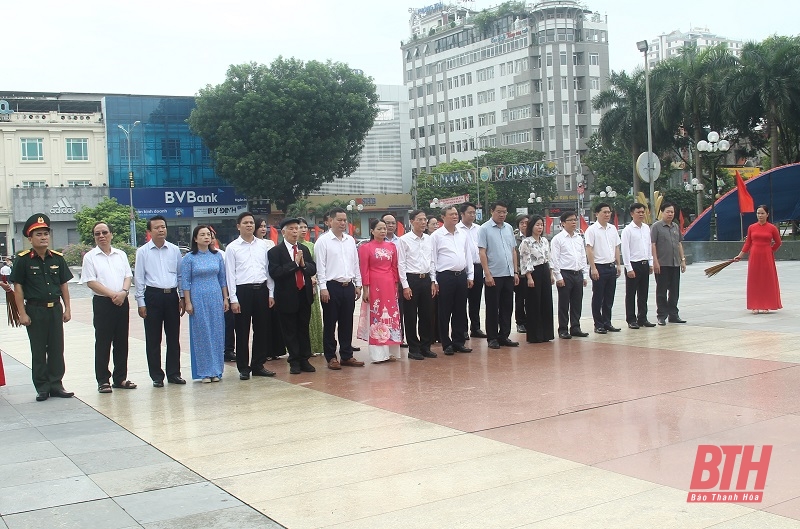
[(40, 280)]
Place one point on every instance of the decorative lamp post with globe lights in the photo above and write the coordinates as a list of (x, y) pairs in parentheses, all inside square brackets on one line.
[(533, 199), (715, 149), (352, 206), (435, 203), (698, 187)]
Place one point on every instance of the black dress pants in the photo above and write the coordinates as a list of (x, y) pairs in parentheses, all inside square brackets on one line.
[(111, 326), (417, 313), (570, 301), (636, 290), (452, 307), (337, 313), (603, 289), (474, 299), (254, 305), (163, 312), (668, 288), (295, 332), (499, 306)]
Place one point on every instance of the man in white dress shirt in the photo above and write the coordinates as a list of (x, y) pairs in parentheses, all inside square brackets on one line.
[(467, 224), (249, 288), (417, 287), (339, 281), (602, 252), (107, 273), (452, 278), (637, 256), (571, 270), (158, 275)]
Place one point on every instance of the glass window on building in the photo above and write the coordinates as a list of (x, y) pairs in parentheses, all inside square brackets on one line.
[(77, 149), (170, 149), (78, 183), (32, 149), (33, 183)]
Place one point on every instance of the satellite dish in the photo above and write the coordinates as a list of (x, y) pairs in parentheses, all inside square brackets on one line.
[(643, 171)]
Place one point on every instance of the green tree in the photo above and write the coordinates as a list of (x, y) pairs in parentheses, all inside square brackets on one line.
[(427, 189), (115, 215), (766, 89), (281, 131)]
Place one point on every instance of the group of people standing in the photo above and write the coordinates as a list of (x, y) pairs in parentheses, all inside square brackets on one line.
[(431, 273)]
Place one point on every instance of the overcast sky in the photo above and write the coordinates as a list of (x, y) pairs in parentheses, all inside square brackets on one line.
[(175, 47)]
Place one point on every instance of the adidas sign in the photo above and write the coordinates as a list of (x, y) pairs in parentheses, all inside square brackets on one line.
[(63, 206)]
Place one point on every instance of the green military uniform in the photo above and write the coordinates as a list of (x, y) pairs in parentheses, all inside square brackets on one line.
[(41, 280)]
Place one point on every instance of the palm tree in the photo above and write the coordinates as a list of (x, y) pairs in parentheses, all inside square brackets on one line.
[(767, 87), (625, 120), (689, 91)]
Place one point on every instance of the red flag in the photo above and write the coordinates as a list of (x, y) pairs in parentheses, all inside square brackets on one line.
[(351, 229), (548, 224), (273, 234), (746, 204), (616, 220), (316, 232), (307, 236), (680, 217), (584, 224), (400, 229)]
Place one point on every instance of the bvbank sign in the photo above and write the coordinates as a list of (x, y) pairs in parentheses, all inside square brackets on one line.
[(174, 202)]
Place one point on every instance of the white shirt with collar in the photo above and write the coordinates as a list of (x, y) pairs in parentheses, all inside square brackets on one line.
[(416, 256), (568, 252), (336, 259), (472, 232), (157, 267), (108, 269), (603, 241), (636, 245), (246, 263), (450, 252)]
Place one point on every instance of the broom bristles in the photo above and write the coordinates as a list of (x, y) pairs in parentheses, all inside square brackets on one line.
[(711, 271)]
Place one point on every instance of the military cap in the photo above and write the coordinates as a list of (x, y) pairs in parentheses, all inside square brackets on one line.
[(290, 220), (36, 221)]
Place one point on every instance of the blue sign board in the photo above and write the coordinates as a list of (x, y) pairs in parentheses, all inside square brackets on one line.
[(176, 202)]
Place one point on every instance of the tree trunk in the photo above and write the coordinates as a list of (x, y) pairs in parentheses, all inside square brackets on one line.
[(773, 137), (635, 151)]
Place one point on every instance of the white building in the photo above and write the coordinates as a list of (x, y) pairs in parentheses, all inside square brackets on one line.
[(669, 45), (50, 141), (505, 79), (383, 169)]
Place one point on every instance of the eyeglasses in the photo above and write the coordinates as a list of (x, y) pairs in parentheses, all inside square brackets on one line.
[(571, 220), (99, 233)]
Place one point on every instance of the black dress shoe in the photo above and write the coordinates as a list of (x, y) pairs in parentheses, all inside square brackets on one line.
[(564, 335), (449, 351), (477, 333), (415, 355), (633, 325), (466, 336), (646, 323), (263, 373), (461, 349), (243, 376), (176, 380), (493, 344), (230, 357), (600, 330), (294, 369), (158, 383), (64, 394), (42, 396), (611, 328), (661, 320), (306, 366), (676, 319), (508, 343), (402, 345), (579, 333), (356, 348), (521, 328), (429, 354)]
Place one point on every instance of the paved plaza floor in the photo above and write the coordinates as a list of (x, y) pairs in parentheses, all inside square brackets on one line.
[(597, 432)]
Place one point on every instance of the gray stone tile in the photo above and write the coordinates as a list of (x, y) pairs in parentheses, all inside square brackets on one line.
[(177, 502), (13, 421), (118, 459), (48, 418), (95, 425), (25, 402), (101, 514), (28, 452), (145, 478), (3, 523), (35, 471), (45, 494), (80, 444), (20, 436), (243, 517)]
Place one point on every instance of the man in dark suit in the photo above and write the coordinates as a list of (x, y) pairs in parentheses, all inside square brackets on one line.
[(292, 268)]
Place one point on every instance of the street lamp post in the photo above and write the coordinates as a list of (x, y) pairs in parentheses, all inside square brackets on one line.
[(435, 203), (698, 187), (128, 132), (475, 137), (642, 46), (351, 206), (611, 194), (715, 149), (533, 199)]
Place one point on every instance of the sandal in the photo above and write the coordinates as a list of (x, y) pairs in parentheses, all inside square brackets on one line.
[(104, 388), (125, 385)]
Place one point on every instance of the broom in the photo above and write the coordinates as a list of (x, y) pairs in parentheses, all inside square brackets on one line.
[(714, 270), (11, 305)]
